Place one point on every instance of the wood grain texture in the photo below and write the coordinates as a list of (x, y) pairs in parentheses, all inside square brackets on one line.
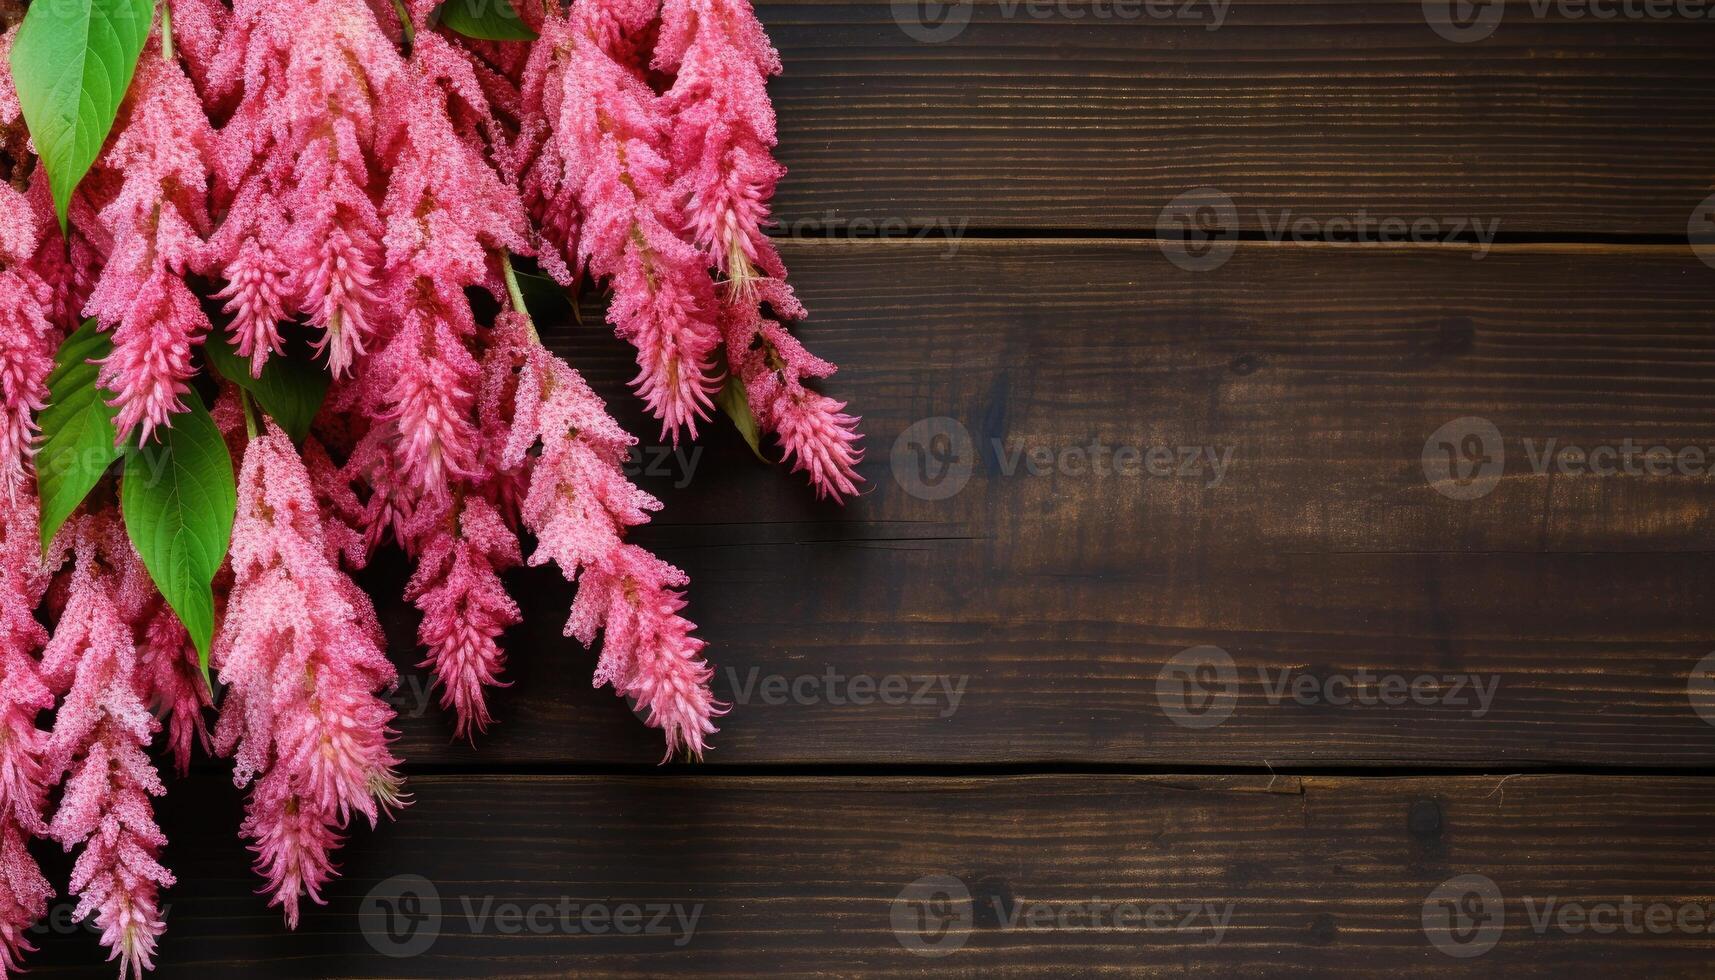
[(1320, 109), (798, 877), (1323, 552)]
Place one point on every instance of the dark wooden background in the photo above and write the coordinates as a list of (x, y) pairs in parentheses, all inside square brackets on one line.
[(1019, 170)]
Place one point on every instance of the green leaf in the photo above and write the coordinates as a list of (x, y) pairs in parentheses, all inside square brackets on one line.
[(72, 61), (736, 404), (290, 390), (487, 20), (179, 498), (78, 435)]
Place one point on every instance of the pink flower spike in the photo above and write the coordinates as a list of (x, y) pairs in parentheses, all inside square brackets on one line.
[(814, 431), (465, 606), (27, 335), (156, 220), (99, 746), (724, 170), (24, 892), (578, 505), (303, 666), (602, 130)]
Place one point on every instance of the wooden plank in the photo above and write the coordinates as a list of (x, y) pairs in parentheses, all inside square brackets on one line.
[(1054, 603), (1033, 119), (805, 876)]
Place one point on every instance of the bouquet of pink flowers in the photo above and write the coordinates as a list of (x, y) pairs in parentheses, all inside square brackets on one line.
[(242, 253)]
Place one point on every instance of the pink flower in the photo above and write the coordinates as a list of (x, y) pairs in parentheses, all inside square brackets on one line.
[(156, 220), (24, 893), (307, 80), (198, 27), (302, 664), (723, 131), (578, 505), (167, 661), (607, 137), (723, 167), (447, 211), (465, 606), (256, 293), (27, 338), (27, 341), (99, 746), (814, 430)]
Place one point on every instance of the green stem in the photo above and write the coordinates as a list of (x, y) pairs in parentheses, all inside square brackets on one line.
[(515, 293), (167, 30), (249, 410), (405, 25)]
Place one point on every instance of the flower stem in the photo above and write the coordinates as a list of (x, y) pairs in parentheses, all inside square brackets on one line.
[(516, 294), (166, 30), (249, 418), (405, 25)]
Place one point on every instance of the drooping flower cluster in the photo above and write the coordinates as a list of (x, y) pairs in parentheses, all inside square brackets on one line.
[(652, 192), (302, 660), (24, 893), (155, 222), (343, 187), (98, 746), (27, 338), (578, 505)]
